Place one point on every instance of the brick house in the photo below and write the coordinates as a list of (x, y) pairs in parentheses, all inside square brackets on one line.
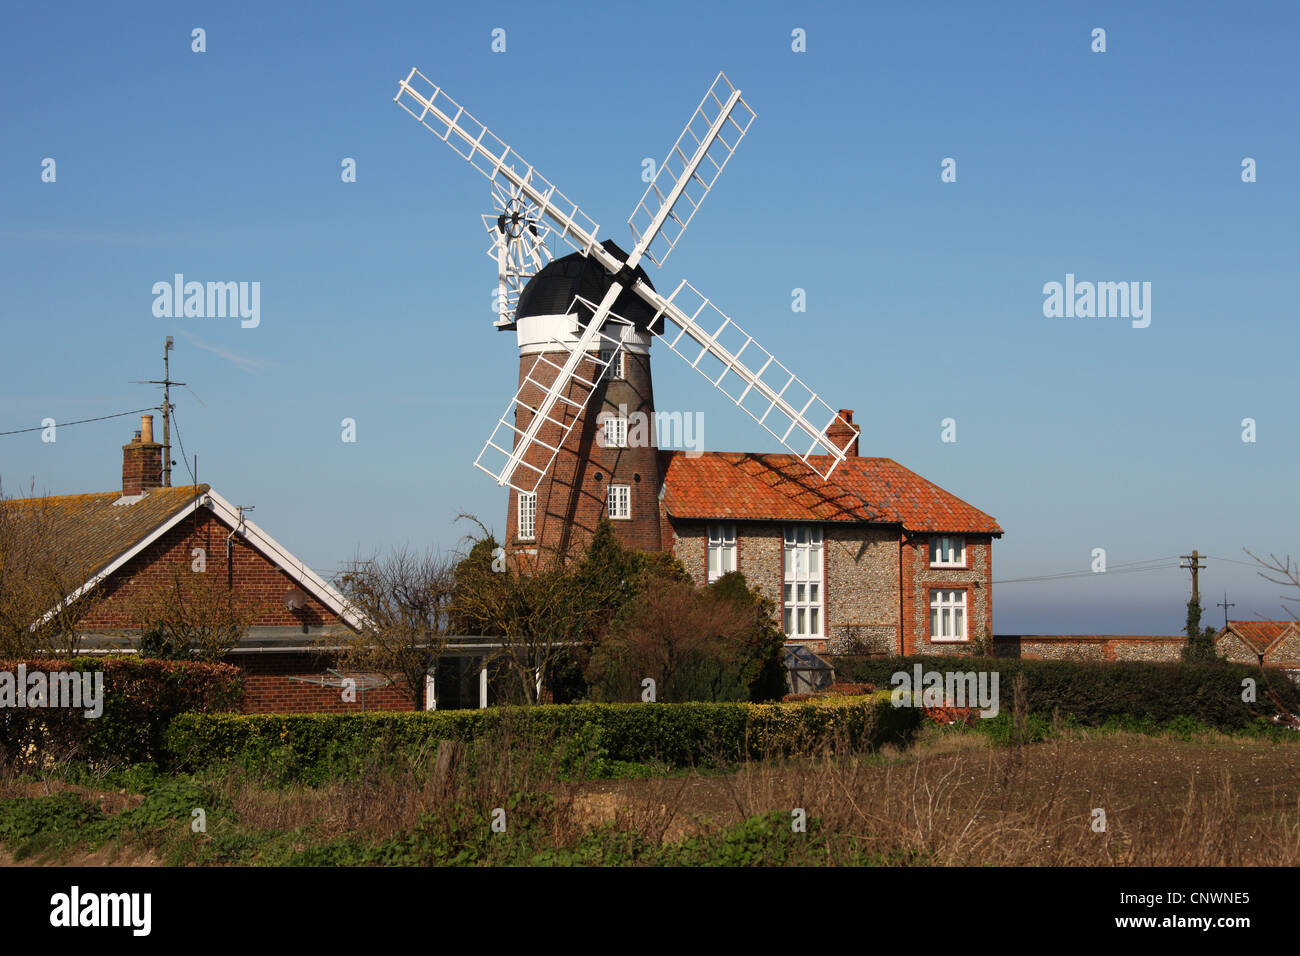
[(129, 540)]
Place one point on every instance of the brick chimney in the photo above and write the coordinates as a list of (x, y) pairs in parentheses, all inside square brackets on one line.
[(843, 431), (142, 460)]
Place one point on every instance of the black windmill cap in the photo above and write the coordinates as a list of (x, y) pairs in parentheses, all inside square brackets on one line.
[(552, 290)]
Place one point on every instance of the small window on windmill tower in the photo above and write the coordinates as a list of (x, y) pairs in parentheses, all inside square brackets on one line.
[(527, 515), (615, 432), (619, 501), (613, 357)]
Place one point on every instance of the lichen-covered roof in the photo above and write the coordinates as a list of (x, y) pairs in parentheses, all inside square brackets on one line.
[(88, 532)]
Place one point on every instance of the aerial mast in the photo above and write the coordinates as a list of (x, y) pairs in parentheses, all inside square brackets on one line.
[(167, 383)]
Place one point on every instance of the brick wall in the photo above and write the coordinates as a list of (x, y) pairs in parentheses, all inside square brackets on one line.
[(268, 690), (975, 579), (254, 577)]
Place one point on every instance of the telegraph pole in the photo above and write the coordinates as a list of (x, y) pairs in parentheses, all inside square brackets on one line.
[(1194, 565), (1225, 605), (167, 384)]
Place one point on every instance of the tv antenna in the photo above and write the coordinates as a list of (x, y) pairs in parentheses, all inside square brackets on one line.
[(167, 408), (1225, 605)]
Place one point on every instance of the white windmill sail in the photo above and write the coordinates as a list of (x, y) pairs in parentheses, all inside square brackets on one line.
[(520, 457), (714, 131), (713, 345), (691, 168)]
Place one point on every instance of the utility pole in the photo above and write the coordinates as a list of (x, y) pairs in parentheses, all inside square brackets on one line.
[(167, 384), (1195, 565), (1225, 605)]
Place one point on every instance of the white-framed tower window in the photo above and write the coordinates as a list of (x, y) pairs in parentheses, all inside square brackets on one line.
[(804, 596), (527, 515), (615, 432), (618, 501), (614, 359), (947, 551), (947, 615), (722, 550)]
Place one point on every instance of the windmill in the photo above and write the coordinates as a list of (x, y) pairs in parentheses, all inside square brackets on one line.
[(582, 315)]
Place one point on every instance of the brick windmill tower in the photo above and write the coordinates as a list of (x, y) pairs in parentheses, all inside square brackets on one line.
[(607, 464), (566, 445)]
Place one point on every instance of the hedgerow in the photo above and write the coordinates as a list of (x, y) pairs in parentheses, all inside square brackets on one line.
[(1217, 695), (140, 699), (315, 747)]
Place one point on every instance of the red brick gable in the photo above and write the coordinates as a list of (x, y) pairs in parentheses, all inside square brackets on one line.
[(254, 577), (765, 487), (131, 543)]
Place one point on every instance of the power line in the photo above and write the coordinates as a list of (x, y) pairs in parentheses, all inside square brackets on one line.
[(1128, 568), (1244, 564), (180, 441), (137, 411)]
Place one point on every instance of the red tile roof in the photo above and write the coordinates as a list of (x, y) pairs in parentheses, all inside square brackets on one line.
[(1260, 634), (783, 488)]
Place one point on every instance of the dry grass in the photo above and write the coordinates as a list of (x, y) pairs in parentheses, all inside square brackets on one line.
[(949, 799)]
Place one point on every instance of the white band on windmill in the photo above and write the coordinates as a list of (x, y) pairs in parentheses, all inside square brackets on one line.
[(521, 457)]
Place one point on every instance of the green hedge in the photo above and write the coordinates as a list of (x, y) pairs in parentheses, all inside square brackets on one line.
[(140, 698), (1094, 692), (317, 746)]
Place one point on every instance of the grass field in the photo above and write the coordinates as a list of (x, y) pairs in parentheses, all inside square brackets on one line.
[(953, 797)]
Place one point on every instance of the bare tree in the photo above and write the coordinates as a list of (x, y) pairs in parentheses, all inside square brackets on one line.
[(403, 599), (42, 601), (541, 610), (188, 614), (1281, 571)]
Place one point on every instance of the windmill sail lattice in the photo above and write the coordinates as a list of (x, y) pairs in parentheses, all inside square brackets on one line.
[(691, 168), (524, 457), (772, 395)]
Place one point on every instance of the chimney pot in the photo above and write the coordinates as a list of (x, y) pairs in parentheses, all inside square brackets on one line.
[(141, 461), (844, 434)]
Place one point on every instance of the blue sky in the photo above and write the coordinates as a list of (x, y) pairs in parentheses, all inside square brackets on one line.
[(924, 298)]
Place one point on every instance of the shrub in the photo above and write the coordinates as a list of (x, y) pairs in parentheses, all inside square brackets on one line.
[(140, 698), (315, 747), (1094, 692)]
